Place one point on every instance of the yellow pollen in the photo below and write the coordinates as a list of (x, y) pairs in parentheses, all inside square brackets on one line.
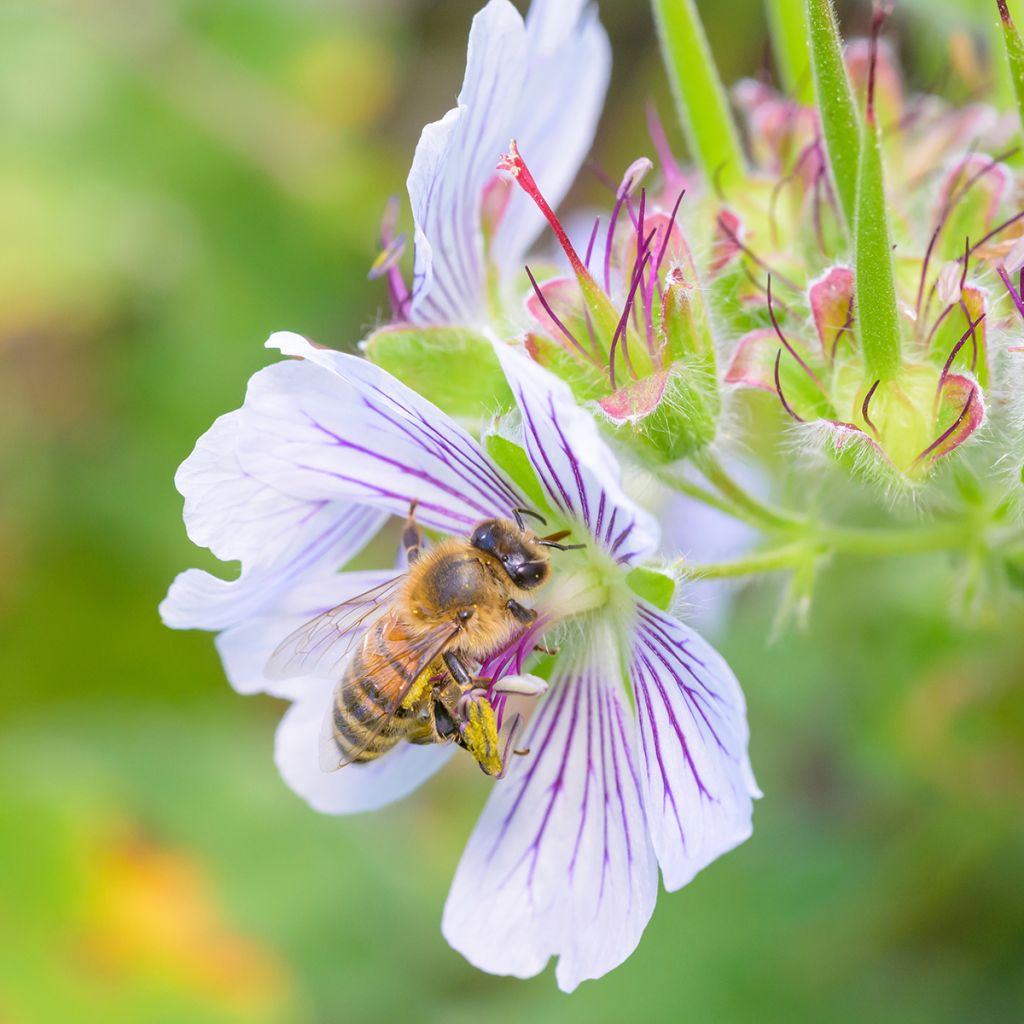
[(422, 683), (480, 736)]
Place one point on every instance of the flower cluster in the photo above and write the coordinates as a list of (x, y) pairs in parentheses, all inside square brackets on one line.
[(502, 388)]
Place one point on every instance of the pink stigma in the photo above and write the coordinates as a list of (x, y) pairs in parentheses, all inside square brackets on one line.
[(512, 163)]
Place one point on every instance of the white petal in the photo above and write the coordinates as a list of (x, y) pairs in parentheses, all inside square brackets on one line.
[(576, 468), (693, 742), (561, 863), (329, 536), (454, 160), (233, 514), (246, 648), (557, 114), (334, 426), (355, 787)]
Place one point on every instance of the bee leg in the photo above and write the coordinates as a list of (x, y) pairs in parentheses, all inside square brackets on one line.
[(459, 671), (521, 613), (412, 535)]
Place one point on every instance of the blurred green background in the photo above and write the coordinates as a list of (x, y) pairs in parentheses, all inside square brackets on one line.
[(178, 178)]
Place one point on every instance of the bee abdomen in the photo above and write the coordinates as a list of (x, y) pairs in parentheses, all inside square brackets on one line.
[(365, 726)]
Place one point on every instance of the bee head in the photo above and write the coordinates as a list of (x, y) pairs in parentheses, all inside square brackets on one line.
[(523, 559)]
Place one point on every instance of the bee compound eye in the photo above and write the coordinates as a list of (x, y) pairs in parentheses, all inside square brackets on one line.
[(465, 614)]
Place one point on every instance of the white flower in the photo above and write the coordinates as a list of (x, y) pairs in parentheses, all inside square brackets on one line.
[(543, 82), (637, 753)]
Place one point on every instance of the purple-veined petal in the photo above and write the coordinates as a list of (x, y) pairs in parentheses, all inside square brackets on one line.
[(574, 465), (454, 161), (698, 784), (330, 535), (355, 787), (334, 426), (234, 514), (556, 115), (560, 863), (246, 647)]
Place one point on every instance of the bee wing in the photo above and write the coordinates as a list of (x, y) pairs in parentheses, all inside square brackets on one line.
[(417, 651), (320, 646)]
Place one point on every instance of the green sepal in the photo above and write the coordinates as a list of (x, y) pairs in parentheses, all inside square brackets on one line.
[(787, 22), (517, 467), (453, 367), (685, 418), (840, 124), (655, 586), (684, 322), (878, 321), (700, 97), (1014, 55)]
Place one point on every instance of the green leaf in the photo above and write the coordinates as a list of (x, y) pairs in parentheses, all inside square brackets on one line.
[(700, 97), (454, 367), (787, 21), (1014, 55), (656, 587), (840, 124), (878, 323), (514, 461)]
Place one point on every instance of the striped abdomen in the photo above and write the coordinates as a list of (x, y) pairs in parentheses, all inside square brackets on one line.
[(365, 724)]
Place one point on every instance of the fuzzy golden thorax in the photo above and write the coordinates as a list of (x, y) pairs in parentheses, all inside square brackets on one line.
[(475, 588)]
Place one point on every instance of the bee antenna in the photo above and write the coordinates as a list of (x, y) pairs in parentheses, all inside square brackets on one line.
[(520, 512), (560, 547)]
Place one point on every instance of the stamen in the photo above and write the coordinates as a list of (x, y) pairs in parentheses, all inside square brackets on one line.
[(946, 434), (642, 250), (971, 329), (846, 327), (622, 329), (747, 251), (387, 261), (590, 244), (668, 233), (1001, 271), (609, 238), (778, 390), (669, 167), (789, 348), (878, 18), (969, 333), (997, 230), (867, 402), (950, 204), (570, 337)]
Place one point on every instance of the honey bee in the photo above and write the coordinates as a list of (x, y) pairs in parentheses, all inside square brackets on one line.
[(408, 674)]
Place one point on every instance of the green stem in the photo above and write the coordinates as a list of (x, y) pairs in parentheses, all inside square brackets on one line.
[(703, 106), (873, 543), (787, 21), (840, 125), (767, 516), (825, 540), (679, 483), (787, 556)]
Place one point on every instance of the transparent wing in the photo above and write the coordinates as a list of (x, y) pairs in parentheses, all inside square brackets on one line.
[(417, 652), (321, 646)]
